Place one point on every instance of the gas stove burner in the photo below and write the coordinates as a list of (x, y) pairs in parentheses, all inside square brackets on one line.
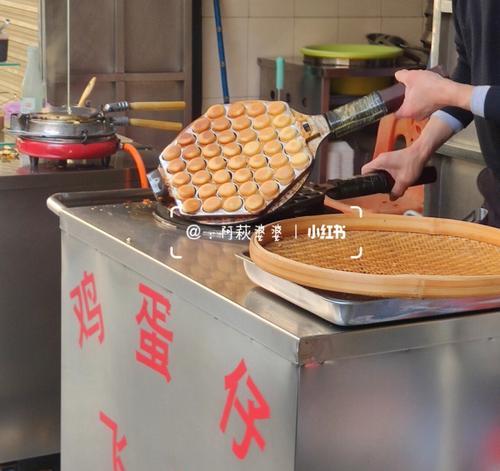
[(62, 150), (308, 201), (73, 165)]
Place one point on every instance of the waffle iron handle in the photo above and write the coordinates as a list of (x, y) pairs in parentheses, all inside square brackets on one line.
[(147, 123), (373, 183), (367, 110), (144, 106)]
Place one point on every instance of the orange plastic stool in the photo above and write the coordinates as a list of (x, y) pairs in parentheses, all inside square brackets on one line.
[(390, 131)]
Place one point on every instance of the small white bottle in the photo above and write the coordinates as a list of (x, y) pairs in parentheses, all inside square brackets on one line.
[(33, 87), (340, 160)]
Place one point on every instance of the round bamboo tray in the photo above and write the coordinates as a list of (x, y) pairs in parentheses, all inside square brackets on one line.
[(404, 257)]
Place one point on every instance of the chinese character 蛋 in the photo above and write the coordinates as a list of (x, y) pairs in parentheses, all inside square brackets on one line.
[(154, 336)]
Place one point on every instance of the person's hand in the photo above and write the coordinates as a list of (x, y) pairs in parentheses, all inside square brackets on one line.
[(405, 166), (426, 92)]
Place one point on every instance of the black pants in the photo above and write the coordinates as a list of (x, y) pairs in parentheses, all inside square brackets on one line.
[(489, 186)]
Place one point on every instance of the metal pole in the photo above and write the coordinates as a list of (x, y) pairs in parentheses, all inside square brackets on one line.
[(68, 57), (222, 55)]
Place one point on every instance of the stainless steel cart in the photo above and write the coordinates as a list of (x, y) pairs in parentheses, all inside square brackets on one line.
[(183, 363), (30, 300)]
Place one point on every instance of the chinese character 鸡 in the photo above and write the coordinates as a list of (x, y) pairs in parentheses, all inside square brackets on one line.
[(87, 309)]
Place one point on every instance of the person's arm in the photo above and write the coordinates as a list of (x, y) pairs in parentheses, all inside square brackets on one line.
[(427, 92), (406, 165)]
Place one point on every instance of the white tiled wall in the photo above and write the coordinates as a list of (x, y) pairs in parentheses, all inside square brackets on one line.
[(265, 28)]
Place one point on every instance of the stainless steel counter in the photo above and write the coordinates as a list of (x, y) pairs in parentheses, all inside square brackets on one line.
[(130, 233), (30, 296), (412, 396)]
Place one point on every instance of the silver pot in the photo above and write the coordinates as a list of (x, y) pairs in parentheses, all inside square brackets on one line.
[(80, 125)]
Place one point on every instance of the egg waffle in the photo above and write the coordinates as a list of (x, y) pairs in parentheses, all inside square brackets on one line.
[(232, 150), (273, 142)]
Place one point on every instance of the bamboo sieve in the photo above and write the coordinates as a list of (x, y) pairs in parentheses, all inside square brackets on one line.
[(403, 257)]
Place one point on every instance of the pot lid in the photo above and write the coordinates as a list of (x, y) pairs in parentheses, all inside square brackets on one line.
[(61, 124)]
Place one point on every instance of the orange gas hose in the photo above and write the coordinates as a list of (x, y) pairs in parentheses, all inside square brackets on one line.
[(141, 169)]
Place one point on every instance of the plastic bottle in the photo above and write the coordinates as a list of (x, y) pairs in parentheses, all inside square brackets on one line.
[(33, 87), (340, 160)]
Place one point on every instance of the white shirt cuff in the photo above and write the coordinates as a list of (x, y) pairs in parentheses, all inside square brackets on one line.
[(450, 120), (478, 100)]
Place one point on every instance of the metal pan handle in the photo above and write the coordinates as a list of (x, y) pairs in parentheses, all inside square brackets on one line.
[(373, 183), (144, 106), (367, 110)]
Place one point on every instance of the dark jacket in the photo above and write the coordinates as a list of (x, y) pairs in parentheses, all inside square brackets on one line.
[(477, 24)]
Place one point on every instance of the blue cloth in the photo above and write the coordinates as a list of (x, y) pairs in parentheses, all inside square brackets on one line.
[(478, 100), (450, 120)]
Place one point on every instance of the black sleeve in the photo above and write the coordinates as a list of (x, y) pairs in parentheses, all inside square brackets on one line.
[(492, 105), (461, 74)]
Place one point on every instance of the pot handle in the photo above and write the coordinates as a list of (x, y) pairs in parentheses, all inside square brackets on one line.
[(144, 106), (148, 123)]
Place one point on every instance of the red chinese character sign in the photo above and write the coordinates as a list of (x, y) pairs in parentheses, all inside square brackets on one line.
[(154, 336), (118, 444), (87, 309), (257, 409)]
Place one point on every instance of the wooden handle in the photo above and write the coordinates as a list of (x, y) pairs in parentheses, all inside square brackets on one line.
[(86, 93), (151, 123), (157, 105)]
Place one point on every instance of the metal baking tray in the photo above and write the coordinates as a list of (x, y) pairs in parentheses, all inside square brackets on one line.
[(351, 310)]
